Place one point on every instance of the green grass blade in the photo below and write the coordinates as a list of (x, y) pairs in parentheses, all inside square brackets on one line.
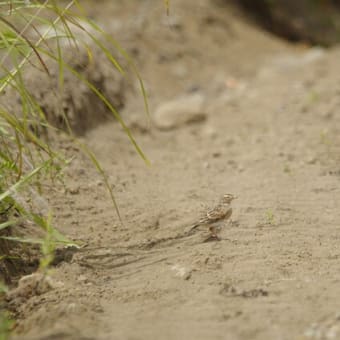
[(23, 180), (7, 224)]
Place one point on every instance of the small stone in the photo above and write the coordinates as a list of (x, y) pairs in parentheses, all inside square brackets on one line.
[(210, 132), (311, 160), (82, 278), (99, 183), (74, 190), (185, 110), (33, 284), (181, 272), (173, 21), (240, 168), (187, 276), (71, 308), (180, 71)]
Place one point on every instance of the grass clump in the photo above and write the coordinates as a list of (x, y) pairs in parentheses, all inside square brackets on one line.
[(270, 217), (35, 35)]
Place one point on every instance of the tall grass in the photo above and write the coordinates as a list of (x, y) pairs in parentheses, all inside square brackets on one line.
[(34, 34)]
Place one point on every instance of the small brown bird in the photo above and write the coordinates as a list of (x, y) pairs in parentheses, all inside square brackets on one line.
[(215, 216)]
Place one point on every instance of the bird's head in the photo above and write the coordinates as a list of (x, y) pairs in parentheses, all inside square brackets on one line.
[(227, 198)]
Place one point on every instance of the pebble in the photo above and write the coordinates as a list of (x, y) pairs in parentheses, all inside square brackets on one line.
[(74, 190), (33, 284), (180, 71), (181, 272), (210, 132), (311, 160)]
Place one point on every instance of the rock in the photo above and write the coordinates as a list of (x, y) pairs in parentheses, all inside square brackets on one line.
[(180, 71), (181, 272), (82, 278), (210, 132), (185, 110), (32, 285), (311, 160), (173, 22), (74, 190)]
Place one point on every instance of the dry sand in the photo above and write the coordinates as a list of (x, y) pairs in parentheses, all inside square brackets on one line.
[(271, 136)]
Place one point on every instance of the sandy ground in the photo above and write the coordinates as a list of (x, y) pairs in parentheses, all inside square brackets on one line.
[(271, 136)]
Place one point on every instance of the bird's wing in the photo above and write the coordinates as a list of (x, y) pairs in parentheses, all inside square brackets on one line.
[(218, 213)]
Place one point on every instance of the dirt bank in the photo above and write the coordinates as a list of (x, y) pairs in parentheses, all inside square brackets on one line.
[(270, 136)]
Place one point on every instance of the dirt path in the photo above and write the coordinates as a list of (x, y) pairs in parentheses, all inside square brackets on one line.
[(270, 136)]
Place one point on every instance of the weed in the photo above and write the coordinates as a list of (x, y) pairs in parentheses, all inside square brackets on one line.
[(325, 139), (313, 97), (270, 217), (6, 325), (167, 7), (287, 169), (26, 159)]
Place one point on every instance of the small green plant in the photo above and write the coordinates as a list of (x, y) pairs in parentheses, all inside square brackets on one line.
[(48, 245), (313, 97), (52, 239), (324, 138), (167, 7), (6, 325), (3, 288), (287, 169), (270, 217)]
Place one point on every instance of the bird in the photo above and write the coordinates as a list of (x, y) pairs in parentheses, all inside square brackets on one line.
[(215, 216)]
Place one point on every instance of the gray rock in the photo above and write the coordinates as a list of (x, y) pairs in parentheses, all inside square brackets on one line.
[(184, 110)]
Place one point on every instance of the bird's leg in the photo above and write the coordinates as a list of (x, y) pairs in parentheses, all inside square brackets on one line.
[(214, 229)]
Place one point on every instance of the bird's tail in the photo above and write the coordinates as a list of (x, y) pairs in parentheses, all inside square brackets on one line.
[(190, 230)]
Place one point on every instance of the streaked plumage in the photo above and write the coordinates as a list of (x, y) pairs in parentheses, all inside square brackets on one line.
[(221, 212)]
